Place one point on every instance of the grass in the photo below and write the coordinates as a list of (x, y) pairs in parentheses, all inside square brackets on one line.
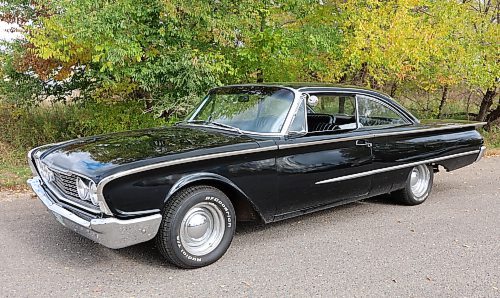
[(492, 140), (14, 169)]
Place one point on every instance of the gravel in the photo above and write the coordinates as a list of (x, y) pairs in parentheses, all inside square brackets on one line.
[(449, 246)]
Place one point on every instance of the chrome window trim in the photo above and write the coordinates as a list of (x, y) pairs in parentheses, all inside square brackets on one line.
[(393, 168), (362, 91), (304, 101), (292, 111), (357, 111), (353, 94), (202, 104), (286, 123), (403, 117)]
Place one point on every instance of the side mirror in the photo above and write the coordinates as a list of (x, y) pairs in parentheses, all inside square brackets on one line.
[(296, 134)]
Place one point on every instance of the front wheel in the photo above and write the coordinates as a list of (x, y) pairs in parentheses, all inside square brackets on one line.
[(197, 227), (418, 186)]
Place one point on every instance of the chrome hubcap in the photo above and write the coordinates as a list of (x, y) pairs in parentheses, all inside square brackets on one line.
[(202, 229), (419, 181)]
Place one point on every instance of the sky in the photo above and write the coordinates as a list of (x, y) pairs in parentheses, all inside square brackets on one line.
[(4, 35)]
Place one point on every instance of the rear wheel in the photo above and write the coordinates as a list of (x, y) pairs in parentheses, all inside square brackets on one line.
[(418, 186), (197, 227)]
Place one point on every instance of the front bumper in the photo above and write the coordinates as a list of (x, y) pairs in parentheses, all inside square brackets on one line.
[(110, 232), (481, 153)]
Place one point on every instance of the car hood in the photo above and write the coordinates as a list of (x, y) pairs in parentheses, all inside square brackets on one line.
[(99, 156)]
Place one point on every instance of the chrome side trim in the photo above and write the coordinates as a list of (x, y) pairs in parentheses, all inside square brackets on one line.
[(143, 212), (481, 153), (376, 135), (103, 182), (408, 165), (328, 141)]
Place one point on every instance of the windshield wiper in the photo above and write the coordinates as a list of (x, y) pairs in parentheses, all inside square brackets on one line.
[(196, 121), (226, 126), (206, 122)]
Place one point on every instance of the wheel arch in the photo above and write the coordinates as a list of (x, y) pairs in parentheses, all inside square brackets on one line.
[(243, 205)]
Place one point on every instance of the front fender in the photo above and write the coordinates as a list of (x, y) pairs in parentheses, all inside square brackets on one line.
[(241, 201), (197, 177)]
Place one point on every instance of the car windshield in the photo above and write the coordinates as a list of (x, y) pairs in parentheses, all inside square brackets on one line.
[(261, 109)]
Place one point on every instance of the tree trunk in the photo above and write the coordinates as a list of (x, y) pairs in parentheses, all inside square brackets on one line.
[(486, 104), (444, 97), (260, 76), (394, 87), (364, 73), (468, 106), (493, 116), (260, 72), (341, 105), (360, 76)]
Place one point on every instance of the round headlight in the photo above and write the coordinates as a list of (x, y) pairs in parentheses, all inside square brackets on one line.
[(93, 193), (45, 172), (83, 188), (87, 190)]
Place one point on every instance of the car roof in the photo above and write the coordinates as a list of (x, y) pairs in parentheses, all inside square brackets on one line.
[(309, 86), (327, 87)]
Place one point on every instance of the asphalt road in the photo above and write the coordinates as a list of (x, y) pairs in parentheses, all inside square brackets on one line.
[(447, 247)]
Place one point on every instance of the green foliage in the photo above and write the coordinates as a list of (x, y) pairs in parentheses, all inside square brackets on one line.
[(492, 137), (167, 50), (167, 53), (17, 87), (26, 128)]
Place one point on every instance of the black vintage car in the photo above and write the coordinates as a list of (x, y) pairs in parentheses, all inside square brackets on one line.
[(247, 152)]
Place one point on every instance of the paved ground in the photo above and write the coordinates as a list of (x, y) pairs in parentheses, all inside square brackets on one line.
[(449, 246)]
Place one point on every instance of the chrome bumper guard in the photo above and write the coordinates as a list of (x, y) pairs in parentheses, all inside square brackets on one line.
[(110, 232), (481, 153)]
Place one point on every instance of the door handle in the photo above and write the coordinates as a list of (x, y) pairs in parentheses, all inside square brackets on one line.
[(363, 143)]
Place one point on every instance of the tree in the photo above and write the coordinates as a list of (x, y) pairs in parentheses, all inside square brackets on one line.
[(169, 52), (483, 70)]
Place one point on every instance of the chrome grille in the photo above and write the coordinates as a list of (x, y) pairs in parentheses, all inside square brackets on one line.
[(66, 183)]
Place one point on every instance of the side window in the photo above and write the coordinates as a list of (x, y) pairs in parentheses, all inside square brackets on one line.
[(331, 112), (335, 104), (373, 113)]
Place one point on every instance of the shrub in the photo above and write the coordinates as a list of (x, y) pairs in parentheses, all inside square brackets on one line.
[(25, 128)]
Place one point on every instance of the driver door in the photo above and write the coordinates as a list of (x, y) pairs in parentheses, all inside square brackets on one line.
[(311, 166)]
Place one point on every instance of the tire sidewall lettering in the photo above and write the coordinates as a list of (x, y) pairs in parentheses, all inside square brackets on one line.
[(229, 224), (184, 253), (224, 208)]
